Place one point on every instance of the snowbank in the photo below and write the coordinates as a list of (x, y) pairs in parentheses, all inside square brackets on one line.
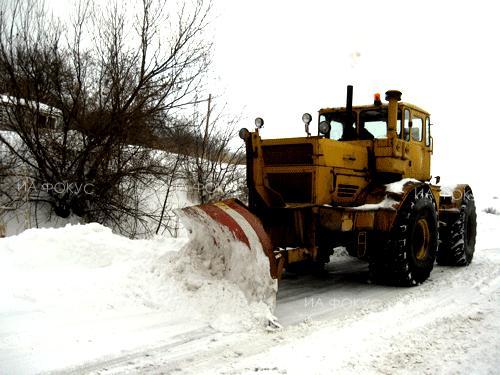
[(86, 269), (490, 206)]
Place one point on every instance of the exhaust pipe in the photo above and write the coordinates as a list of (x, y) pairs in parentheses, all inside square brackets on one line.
[(393, 97), (349, 133), (348, 105)]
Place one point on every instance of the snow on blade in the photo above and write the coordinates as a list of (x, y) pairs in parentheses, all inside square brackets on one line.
[(213, 254)]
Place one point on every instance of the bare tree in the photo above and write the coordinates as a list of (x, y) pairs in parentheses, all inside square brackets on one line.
[(88, 99), (214, 170)]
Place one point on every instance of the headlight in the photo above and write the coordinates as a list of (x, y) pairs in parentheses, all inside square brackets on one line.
[(324, 127), (259, 123), (244, 133), (307, 118)]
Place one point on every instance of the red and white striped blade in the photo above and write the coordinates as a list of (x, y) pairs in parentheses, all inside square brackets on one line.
[(241, 223)]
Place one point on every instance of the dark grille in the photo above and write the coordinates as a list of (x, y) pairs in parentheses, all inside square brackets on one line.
[(288, 154), (293, 187), (347, 191)]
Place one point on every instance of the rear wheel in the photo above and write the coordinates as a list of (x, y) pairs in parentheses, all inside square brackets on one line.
[(459, 235), (408, 256)]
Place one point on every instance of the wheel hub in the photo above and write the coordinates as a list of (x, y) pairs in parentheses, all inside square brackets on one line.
[(422, 238)]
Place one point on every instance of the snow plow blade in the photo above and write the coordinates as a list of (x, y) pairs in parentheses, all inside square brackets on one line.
[(234, 217)]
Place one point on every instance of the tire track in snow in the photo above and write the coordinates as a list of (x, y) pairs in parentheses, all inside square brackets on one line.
[(389, 318)]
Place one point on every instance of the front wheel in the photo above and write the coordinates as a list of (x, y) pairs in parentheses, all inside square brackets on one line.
[(408, 256)]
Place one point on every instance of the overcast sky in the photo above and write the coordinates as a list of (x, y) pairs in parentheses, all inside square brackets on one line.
[(278, 59)]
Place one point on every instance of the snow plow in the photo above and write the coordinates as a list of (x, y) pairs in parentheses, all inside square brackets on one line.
[(363, 182), (233, 217)]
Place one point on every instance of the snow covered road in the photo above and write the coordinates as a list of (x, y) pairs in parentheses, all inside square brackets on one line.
[(451, 324), (338, 324)]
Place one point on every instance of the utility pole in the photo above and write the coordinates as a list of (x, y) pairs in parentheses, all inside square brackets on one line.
[(2, 223), (204, 153)]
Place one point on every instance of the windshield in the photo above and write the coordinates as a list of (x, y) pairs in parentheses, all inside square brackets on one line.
[(372, 124)]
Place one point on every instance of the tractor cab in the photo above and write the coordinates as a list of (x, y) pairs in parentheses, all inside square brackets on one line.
[(372, 122), (398, 134)]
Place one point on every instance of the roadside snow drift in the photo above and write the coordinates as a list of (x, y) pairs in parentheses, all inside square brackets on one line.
[(84, 283), (88, 268)]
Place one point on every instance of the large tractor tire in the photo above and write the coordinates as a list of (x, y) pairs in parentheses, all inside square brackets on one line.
[(407, 256), (459, 235)]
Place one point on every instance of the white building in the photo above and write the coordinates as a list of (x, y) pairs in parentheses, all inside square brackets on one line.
[(47, 117)]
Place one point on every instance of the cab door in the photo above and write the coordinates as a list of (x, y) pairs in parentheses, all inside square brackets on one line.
[(428, 145), (418, 153)]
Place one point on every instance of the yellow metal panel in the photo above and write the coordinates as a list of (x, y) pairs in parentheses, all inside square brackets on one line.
[(342, 154), (365, 220), (298, 254), (391, 165), (324, 185), (343, 179)]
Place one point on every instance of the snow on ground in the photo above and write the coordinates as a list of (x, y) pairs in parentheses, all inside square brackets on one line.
[(82, 300), (73, 294), (341, 324)]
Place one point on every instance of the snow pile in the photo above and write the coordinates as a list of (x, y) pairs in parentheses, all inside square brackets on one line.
[(339, 252), (89, 271), (213, 261), (490, 206)]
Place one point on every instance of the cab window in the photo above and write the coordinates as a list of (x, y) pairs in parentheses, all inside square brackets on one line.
[(336, 125), (398, 124), (406, 125), (417, 129), (343, 125), (374, 123)]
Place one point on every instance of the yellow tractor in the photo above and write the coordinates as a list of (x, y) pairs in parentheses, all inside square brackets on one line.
[(363, 182)]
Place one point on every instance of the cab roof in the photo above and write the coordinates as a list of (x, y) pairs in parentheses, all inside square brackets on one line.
[(373, 106)]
